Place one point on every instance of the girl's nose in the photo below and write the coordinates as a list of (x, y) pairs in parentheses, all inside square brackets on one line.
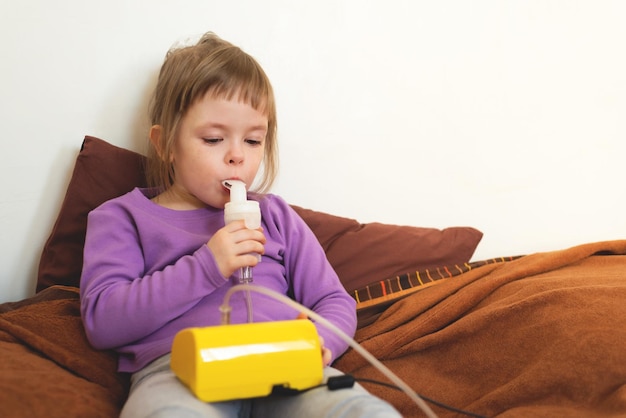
[(234, 155)]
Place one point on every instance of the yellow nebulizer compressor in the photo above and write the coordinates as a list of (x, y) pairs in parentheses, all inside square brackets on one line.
[(225, 362), (241, 361)]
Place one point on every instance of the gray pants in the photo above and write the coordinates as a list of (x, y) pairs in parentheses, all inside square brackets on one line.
[(156, 392)]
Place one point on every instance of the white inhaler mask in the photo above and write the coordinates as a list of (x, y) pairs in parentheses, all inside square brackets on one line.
[(240, 208)]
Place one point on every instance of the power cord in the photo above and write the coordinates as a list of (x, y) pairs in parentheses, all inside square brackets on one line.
[(347, 381)]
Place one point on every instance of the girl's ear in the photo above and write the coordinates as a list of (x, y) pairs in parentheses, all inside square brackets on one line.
[(156, 131), (155, 138)]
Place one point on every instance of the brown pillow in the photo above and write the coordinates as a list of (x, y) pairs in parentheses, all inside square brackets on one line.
[(360, 253), (102, 171), (365, 253)]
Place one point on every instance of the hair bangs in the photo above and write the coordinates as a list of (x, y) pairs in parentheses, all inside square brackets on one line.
[(242, 79)]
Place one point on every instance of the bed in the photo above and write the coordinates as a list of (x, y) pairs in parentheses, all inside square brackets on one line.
[(536, 335)]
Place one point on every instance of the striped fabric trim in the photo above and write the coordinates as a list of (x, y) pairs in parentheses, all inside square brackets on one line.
[(396, 287)]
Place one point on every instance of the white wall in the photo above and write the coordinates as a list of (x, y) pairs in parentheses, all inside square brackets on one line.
[(505, 115)]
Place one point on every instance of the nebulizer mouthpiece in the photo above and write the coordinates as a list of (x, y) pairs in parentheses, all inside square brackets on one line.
[(240, 207)]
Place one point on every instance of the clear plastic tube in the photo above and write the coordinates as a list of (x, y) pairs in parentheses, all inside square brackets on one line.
[(245, 277), (225, 310)]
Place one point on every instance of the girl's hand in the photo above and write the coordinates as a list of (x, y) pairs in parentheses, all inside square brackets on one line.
[(327, 355), (235, 246)]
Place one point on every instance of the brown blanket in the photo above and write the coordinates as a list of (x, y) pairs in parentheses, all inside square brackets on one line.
[(47, 367), (541, 336)]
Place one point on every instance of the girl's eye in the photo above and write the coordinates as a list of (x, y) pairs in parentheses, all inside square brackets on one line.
[(253, 142), (212, 140)]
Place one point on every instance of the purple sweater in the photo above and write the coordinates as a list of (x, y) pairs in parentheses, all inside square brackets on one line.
[(148, 273)]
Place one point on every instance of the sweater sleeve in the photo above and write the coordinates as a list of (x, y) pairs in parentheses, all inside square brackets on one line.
[(312, 279), (120, 302)]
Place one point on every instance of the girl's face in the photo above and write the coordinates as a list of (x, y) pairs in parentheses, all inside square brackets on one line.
[(218, 140)]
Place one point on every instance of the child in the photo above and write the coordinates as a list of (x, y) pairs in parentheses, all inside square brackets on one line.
[(159, 260)]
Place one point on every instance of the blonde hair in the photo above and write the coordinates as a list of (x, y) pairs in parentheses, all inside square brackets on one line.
[(216, 67)]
